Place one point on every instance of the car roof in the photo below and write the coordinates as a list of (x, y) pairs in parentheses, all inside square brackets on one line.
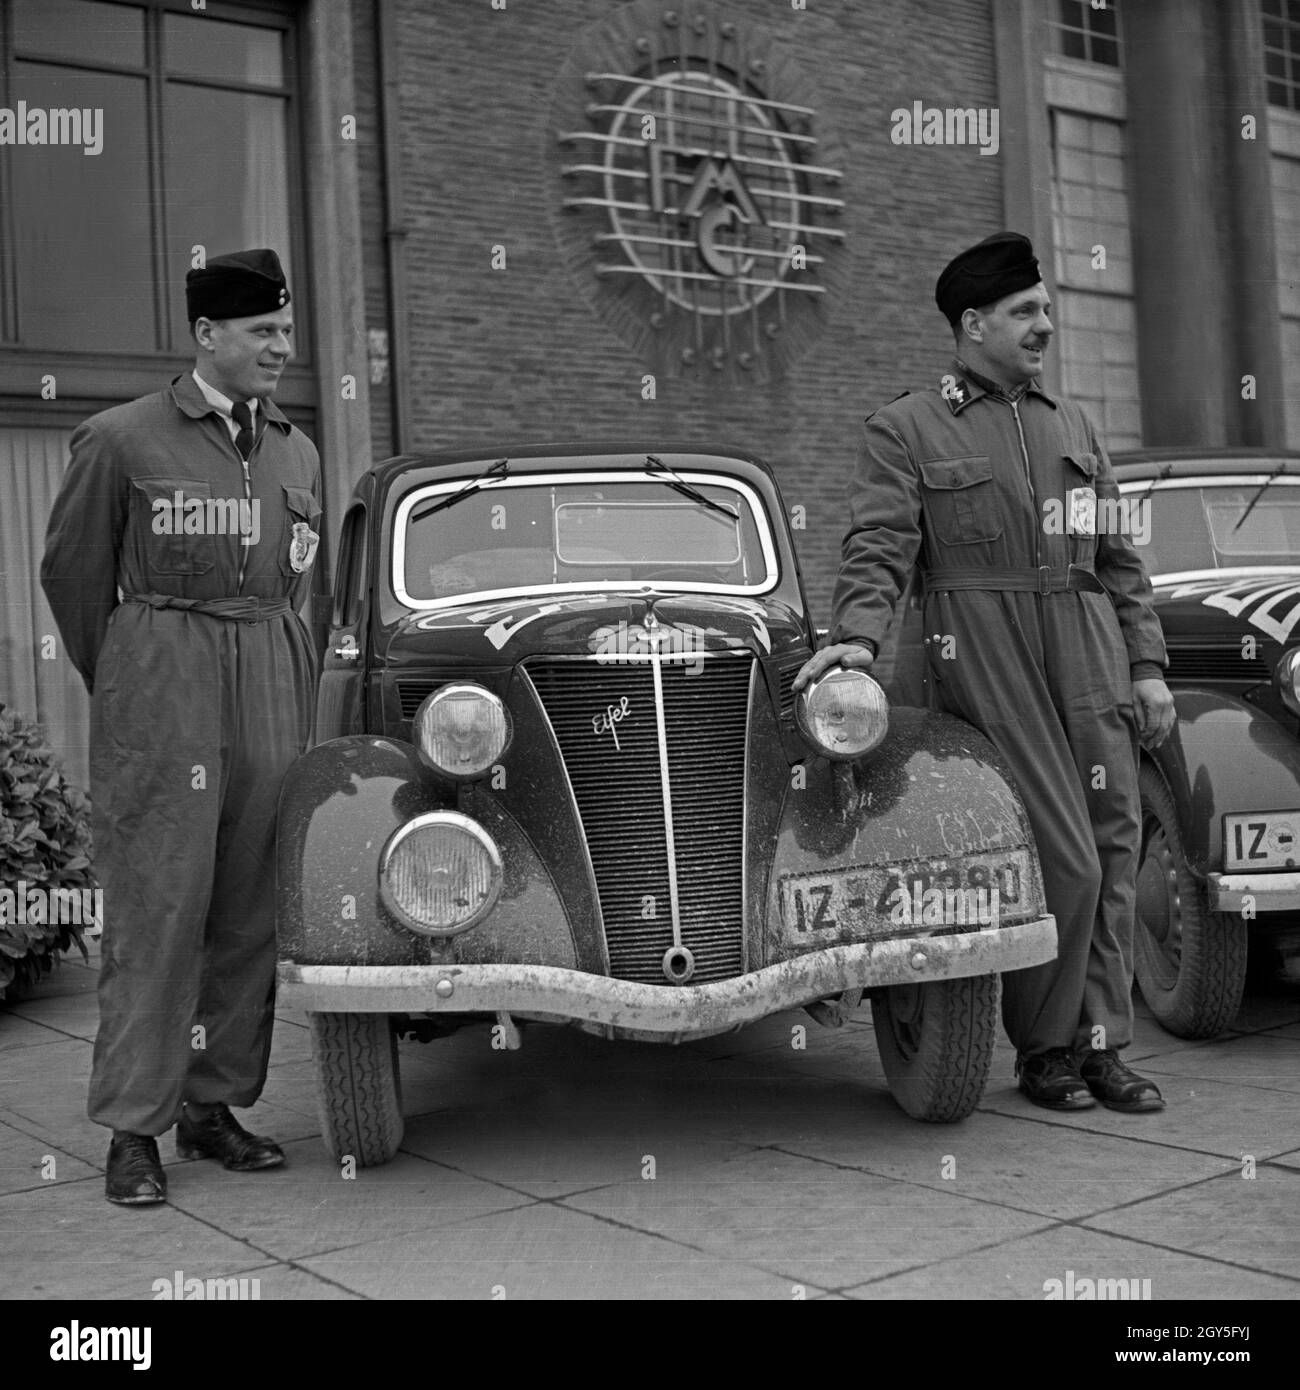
[(534, 456), (1137, 464)]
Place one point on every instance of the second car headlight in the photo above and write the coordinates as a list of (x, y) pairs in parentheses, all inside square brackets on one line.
[(844, 714), (462, 729), (1287, 675)]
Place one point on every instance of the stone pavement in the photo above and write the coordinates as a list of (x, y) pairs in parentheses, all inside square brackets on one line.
[(735, 1168)]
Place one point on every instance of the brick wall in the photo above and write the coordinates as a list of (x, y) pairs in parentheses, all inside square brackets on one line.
[(520, 352)]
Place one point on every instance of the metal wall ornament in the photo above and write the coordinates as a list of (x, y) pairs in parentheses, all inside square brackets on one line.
[(698, 202)]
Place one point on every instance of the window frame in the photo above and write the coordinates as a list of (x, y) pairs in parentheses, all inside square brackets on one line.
[(102, 377)]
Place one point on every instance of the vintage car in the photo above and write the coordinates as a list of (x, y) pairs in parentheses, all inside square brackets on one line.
[(561, 775), (1220, 534)]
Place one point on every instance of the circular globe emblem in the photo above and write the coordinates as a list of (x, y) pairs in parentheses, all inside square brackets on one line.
[(699, 201)]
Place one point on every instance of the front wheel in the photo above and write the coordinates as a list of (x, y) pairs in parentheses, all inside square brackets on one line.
[(1189, 962), (358, 1086), (936, 1043)]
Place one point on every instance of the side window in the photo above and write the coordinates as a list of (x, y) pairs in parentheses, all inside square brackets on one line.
[(353, 568)]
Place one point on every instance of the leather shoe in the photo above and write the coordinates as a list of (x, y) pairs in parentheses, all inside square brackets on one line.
[(1052, 1079), (213, 1132), (1116, 1086), (134, 1177)]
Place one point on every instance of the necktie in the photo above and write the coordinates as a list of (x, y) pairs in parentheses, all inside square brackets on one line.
[(243, 417)]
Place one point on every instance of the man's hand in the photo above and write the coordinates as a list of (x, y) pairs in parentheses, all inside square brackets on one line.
[(844, 654), (1154, 707)]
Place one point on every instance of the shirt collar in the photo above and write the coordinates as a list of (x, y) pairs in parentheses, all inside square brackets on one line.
[(189, 397), (223, 403), (979, 385)]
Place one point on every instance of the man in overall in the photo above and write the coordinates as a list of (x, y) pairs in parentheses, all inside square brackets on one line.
[(177, 553), (1042, 634)]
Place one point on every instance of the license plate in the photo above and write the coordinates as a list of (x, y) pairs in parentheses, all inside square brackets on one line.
[(1261, 840), (904, 898)]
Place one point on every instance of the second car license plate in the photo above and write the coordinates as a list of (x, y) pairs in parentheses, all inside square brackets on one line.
[(904, 898), (1261, 840)]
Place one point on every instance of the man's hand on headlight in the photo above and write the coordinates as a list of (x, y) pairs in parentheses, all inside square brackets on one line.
[(843, 654)]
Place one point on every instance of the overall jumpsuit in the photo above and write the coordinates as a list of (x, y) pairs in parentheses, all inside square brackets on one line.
[(202, 681), (1035, 630)]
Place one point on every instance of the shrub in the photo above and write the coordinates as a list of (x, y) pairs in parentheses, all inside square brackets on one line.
[(44, 845)]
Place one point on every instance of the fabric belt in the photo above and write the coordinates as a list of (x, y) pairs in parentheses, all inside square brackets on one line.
[(249, 609), (1043, 580)]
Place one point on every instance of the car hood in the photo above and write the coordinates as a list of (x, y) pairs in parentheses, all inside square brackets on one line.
[(1262, 604), (507, 631)]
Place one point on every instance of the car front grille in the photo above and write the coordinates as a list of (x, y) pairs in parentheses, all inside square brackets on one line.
[(614, 766), (1218, 659)]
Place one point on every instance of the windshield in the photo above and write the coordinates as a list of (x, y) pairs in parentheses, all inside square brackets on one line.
[(599, 531), (1197, 528)]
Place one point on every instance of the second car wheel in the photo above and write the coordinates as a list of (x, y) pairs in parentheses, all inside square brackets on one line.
[(936, 1044), (358, 1086), (1189, 962)]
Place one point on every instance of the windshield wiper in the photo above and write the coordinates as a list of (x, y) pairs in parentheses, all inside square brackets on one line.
[(499, 469), (679, 484), (1158, 478), (1267, 483)]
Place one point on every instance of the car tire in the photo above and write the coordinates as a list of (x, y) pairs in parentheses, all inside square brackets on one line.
[(358, 1086), (1189, 962), (936, 1044)]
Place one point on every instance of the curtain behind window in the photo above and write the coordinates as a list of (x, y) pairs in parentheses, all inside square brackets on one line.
[(36, 679)]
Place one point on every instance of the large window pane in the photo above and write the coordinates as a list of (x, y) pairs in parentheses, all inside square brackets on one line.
[(226, 169), (80, 29), (222, 52), (85, 277)]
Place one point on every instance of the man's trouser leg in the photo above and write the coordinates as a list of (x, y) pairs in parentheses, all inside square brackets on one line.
[(156, 793), (270, 720), (996, 680)]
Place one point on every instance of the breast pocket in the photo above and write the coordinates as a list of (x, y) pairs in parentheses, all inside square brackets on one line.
[(959, 499), (176, 523), (301, 539), (1081, 495)]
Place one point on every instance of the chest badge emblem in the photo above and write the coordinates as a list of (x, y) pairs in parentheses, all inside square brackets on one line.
[(302, 547)]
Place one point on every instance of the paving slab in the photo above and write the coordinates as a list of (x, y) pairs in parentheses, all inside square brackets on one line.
[(72, 1244), (1211, 1117), (1246, 1059), (807, 1221), (27, 1162), (75, 1012), (18, 1032), (546, 1158), (1022, 1268), (1250, 1222), (308, 1206), (545, 1251), (1056, 1172)]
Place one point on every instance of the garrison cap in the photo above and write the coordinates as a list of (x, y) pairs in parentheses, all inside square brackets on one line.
[(998, 266), (236, 286)]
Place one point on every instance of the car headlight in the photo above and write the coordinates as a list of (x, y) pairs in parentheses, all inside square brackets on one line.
[(462, 729), (1287, 675), (440, 873), (844, 714)]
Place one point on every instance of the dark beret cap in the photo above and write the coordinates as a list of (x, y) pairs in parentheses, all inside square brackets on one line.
[(236, 286), (999, 265)]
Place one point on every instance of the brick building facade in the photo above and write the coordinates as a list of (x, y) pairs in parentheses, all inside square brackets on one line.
[(463, 234)]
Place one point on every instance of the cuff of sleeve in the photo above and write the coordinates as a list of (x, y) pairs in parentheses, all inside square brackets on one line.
[(843, 638), (1146, 671)]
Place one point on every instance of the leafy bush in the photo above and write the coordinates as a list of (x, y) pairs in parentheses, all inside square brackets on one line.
[(44, 845)]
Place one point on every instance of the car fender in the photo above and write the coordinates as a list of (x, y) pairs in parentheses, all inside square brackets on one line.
[(1224, 755), (935, 791), (339, 804)]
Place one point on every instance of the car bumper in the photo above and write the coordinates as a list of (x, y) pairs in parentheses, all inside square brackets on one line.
[(548, 991), (1272, 892)]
